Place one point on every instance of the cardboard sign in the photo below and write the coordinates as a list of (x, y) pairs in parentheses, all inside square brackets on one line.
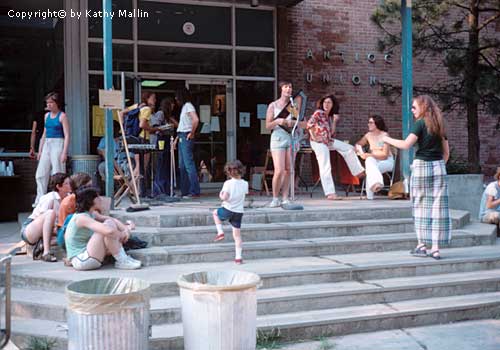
[(111, 99)]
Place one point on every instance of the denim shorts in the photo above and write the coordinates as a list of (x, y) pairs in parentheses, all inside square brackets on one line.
[(23, 231), (280, 140), (234, 218)]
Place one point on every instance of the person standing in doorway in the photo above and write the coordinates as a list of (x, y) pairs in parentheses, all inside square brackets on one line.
[(161, 118), (429, 188), (53, 149), (188, 122)]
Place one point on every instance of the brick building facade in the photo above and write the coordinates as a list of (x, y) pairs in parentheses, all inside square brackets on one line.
[(322, 40)]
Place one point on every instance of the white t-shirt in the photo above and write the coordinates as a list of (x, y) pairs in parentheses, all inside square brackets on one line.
[(50, 200), (237, 189), (185, 122)]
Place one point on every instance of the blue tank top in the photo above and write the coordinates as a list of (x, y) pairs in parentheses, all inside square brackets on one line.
[(53, 127)]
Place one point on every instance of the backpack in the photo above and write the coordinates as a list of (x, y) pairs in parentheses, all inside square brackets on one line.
[(132, 127)]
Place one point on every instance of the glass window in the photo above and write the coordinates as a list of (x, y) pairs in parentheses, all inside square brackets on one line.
[(31, 65), (252, 63), (122, 25), (252, 145), (185, 23), (184, 60), (96, 82), (254, 28), (123, 57)]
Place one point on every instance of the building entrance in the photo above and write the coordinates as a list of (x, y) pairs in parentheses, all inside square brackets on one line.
[(215, 136)]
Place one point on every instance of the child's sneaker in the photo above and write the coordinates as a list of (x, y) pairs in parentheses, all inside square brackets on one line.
[(238, 261), (219, 237)]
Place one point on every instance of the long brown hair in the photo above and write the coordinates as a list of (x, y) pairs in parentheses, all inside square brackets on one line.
[(166, 106), (432, 115), (319, 104)]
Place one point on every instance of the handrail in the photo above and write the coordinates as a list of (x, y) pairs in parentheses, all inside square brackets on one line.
[(7, 331), (16, 130)]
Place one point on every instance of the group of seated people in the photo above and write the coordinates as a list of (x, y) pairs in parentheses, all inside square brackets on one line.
[(72, 212)]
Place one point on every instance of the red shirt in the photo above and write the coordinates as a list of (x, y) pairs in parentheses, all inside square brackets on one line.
[(319, 127)]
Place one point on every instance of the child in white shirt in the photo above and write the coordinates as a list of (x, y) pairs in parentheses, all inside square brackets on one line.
[(233, 197)]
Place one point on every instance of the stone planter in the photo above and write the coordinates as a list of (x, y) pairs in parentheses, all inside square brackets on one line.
[(465, 191)]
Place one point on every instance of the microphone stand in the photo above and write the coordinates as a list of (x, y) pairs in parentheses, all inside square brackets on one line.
[(293, 206)]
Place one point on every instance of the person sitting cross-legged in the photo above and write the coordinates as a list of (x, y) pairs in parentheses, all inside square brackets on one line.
[(91, 236)]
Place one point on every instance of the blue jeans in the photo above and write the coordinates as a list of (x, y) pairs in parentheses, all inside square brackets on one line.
[(162, 176), (188, 173)]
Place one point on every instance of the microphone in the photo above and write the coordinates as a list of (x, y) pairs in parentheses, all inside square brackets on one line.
[(292, 102)]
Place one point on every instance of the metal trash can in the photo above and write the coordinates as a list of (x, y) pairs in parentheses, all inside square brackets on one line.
[(219, 310), (108, 314), (86, 163)]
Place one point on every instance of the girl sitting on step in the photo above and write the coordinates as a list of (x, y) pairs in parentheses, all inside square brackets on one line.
[(91, 236)]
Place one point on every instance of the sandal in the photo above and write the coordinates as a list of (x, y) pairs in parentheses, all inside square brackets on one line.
[(435, 255), (333, 197), (38, 249), (219, 237), (419, 251), (49, 257)]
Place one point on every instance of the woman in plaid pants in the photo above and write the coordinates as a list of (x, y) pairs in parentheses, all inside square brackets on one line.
[(429, 188)]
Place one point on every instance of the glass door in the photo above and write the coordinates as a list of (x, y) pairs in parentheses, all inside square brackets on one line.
[(215, 131)]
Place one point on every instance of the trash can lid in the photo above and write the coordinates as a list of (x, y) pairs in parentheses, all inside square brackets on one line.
[(106, 294), (229, 280)]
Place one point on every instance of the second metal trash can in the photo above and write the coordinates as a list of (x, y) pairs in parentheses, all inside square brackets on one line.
[(219, 310), (108, 314)]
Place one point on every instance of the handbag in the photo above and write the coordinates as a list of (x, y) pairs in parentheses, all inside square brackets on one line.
[(397, 191)]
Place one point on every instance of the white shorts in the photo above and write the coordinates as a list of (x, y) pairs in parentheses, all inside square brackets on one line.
[(84, 261)]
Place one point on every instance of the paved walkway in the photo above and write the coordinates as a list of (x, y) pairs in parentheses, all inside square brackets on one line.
[(470, 335)]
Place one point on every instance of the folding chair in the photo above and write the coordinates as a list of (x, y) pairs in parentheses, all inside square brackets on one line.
[(267, 172), (388, 174), (125, 186)]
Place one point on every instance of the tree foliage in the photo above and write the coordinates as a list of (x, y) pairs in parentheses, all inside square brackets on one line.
[(465, 36)]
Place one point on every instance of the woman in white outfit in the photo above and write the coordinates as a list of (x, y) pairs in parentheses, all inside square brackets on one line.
[(321, 126), (53, 149), (379, 158)]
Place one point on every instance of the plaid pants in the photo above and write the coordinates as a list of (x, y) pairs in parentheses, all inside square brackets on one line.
[(431, 212)]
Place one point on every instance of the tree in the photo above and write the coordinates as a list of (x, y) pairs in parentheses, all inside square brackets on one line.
[(463, 35)]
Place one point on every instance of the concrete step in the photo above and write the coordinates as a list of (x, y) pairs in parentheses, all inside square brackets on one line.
[(28, 304), (284, 272), (183, 254), (176, 216), (316, 323), (275, 231)]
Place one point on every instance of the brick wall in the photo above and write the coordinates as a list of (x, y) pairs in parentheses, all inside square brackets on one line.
[(344, 26)]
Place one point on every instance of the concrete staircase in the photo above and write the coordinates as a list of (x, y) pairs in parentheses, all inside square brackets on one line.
[(326, 271)]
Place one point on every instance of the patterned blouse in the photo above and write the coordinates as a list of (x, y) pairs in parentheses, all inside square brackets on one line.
[(319, 126)]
